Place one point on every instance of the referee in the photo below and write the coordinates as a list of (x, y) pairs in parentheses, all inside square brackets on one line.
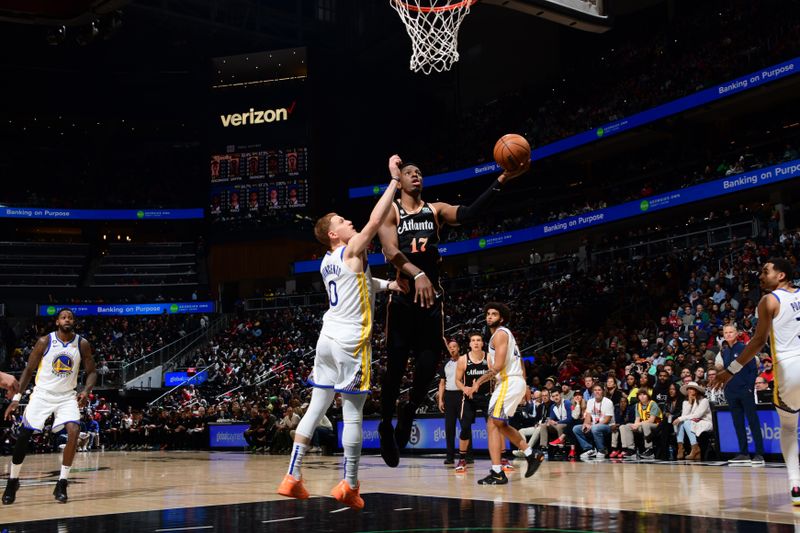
[(450, 398)]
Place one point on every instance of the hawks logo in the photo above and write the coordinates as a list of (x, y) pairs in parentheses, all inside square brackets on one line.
[(63, 365)]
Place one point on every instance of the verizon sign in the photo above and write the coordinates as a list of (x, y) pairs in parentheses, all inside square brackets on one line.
[(254, 116)]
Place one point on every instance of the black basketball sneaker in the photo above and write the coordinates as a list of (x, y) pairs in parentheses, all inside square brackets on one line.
[(494, 478), (10, 493), (534, 462), (389, 451), (60, 492)]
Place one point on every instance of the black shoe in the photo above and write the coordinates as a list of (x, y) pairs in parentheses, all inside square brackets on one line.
[(494, 478), (405, 421), (10, 493), (740, 460), (534, 462), (389, 451), (60, 492), (647, 454), (470, 460), (449, 461)]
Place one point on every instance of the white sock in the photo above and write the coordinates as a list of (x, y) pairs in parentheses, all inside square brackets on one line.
[(528, 451), (351, 461), (298, 450), (497, 469), (15, 471), (65, 472), (320, 401), (352, 406), (789, 446)]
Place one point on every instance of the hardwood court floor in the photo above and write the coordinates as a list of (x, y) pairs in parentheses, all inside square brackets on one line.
[(212, 486)]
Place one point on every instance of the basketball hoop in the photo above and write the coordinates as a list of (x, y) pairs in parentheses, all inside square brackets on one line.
[(432, 26)]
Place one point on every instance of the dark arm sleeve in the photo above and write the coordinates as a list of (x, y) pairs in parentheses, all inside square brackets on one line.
[(467, 213)]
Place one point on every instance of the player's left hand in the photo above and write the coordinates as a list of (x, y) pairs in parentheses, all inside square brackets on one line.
[(399, 285), (508, 175), (10, 383), (721, 379), (83, 399)]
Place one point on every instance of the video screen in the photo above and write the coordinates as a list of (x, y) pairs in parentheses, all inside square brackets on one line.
[(253, 185)]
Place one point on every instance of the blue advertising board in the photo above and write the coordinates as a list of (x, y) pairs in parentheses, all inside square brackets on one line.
[(427, 434), (706, 96), (768, 421), (173, 379), (704, 191), (227, 435), (57, 213), (172, 308)]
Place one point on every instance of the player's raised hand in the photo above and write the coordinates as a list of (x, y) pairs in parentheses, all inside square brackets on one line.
[(508, 175), (394, 165), (424, 294), (399, 285), (10, 383)]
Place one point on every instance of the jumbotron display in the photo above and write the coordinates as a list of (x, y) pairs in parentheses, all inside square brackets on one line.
[(250, 185)]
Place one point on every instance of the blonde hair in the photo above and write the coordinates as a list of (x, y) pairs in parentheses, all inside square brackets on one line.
[(321, 229)]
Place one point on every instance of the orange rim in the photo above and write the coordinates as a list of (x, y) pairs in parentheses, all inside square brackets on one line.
[(439, 9)]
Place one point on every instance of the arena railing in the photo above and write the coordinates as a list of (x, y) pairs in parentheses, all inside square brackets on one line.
[(125, 372), (714, 236)]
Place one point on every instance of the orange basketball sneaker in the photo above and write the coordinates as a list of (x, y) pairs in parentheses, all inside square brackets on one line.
[(350, 497), (292, 488)]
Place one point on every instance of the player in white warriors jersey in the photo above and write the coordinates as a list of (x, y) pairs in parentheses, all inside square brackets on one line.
[(56, 359), (778, 324), (505, 363), (344, 350)]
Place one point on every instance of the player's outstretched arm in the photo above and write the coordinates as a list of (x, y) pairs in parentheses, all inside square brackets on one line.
[(87, 358), (768, 307), (361, 240), (461, 214), (396, 285), (33, 363)]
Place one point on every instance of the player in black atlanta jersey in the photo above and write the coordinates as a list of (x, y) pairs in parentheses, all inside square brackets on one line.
[(410, 240), (470, 368)]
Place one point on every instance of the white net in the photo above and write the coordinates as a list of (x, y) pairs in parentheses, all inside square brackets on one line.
[(432, 26)]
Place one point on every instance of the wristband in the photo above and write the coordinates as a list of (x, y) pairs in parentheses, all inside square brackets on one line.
[(734, 367), (396, 178), (380, 284), (419, 275), (17, 397)]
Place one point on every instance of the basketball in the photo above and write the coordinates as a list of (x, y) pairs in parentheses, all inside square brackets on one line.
[(512, 151)]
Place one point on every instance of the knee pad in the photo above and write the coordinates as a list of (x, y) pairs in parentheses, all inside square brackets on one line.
[(466, 433)]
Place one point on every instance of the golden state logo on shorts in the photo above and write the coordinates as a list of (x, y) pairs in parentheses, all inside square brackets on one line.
[(62, 365)]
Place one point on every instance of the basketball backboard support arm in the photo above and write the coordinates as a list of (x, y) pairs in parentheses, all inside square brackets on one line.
[(582, 15)]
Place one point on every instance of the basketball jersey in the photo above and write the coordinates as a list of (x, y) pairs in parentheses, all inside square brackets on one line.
[(449, 375), (785, 338), (351, 297), (418, 239), (474, 372), (60, 364), (513, 366)]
